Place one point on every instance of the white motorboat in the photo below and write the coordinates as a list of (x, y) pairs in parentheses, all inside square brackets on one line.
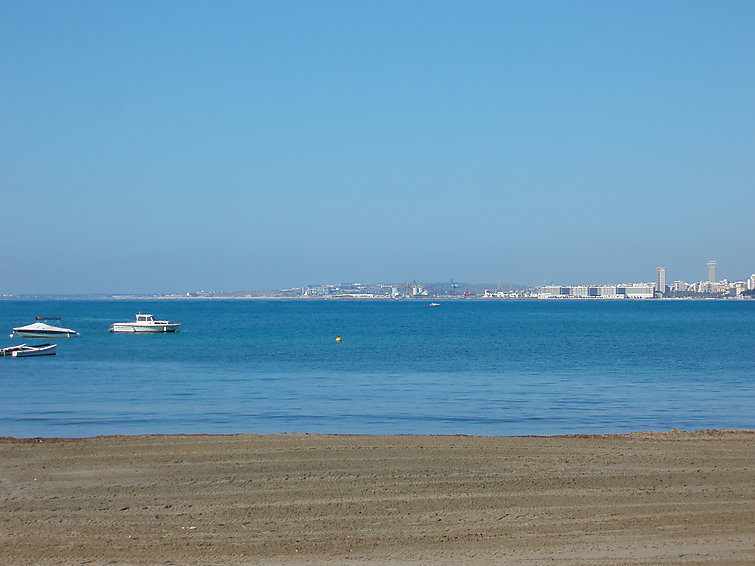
[(43, 330), (145, 323), (24, 351)]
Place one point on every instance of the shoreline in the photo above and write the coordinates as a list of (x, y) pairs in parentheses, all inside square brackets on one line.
[(666, 497), (633, 434)]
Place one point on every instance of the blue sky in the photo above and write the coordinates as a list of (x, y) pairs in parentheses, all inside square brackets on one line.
[(179, 146)]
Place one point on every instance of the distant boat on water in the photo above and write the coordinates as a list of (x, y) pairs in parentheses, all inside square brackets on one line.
[(43, 330), (434, 305), (145, 323)]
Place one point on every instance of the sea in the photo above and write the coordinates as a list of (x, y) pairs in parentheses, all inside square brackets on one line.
[(468, 367)]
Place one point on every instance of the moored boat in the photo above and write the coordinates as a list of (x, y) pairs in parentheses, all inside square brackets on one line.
[(24, 351), (145, 323), (43, 330)]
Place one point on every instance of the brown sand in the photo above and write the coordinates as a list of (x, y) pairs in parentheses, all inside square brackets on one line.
[(644, 498)]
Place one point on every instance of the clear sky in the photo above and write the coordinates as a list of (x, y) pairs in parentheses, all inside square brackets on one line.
[(180, 146)]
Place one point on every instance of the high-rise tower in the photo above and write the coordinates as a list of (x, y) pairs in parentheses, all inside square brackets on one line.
[(712, 271), (660, 280)]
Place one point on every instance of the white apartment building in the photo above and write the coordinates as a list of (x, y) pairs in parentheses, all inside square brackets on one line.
[(604, 292), (637, 290), (679, 286), (660, 279), (578, 291), (626, 291)]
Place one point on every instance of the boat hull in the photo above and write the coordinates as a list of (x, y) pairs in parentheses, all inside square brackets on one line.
[(24, 351), (144, 328), (42, 330), (43, 334)]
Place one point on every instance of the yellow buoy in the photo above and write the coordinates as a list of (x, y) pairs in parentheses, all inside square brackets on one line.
[(338, 338)]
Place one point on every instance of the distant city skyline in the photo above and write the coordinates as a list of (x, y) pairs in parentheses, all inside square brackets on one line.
[(155, 147), (660, 282), (406, 288)]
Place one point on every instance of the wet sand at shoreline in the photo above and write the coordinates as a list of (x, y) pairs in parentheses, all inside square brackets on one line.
[(643, 498)]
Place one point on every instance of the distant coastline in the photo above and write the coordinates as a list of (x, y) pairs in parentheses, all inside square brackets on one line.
[(450, 290), (273, 297)]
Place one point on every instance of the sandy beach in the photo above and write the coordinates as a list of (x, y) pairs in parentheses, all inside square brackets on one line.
[(643, 498)]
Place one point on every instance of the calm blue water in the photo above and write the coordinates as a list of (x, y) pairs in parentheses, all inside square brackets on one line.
[(466, 367)]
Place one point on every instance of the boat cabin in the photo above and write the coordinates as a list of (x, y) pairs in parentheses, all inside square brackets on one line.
[(145, 318)]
